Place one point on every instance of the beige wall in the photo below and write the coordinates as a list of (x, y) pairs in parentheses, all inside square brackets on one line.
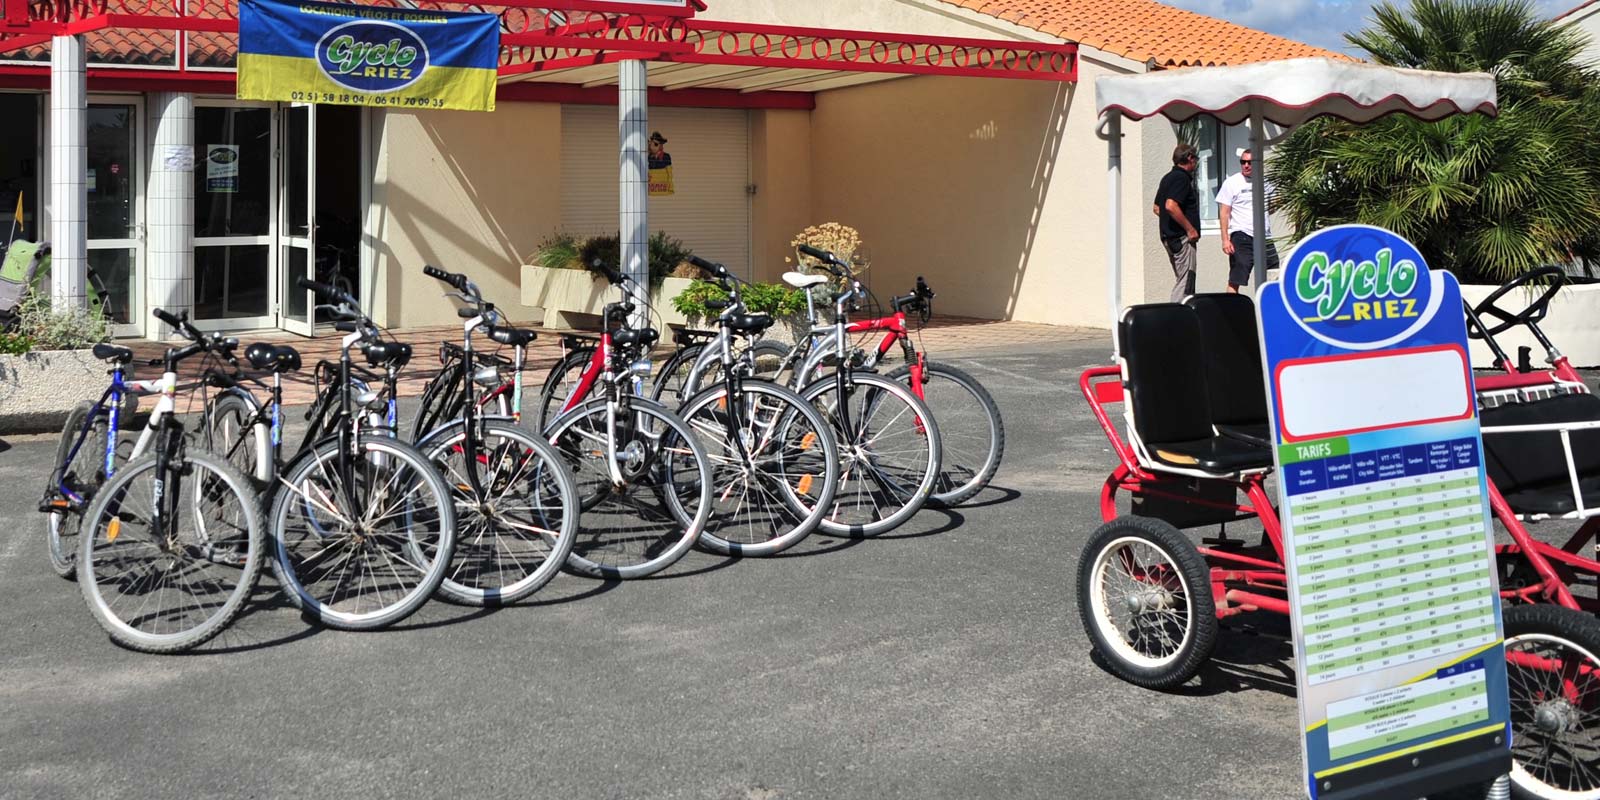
[(468, 192), (780, 167)]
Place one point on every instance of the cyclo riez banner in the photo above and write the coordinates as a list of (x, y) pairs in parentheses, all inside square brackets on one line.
[(1387, 530), (367, 55)]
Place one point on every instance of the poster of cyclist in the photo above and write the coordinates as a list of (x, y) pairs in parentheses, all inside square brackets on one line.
[(660, 166)]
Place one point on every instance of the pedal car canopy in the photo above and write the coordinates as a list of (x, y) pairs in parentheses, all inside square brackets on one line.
[(1291, 92), (1287, 93)]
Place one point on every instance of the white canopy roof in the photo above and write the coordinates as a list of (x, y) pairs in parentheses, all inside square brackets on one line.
[(1293, 91)]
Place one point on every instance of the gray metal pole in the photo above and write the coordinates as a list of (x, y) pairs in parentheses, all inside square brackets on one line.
[(1258, 195), (69, 167), (633, 115), (1113, 137)]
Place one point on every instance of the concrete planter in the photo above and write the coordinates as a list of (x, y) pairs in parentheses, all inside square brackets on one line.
[(39, 389), (570, 297), (1573, 325)]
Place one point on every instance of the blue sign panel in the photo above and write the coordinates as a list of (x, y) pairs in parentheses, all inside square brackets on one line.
[(1387, 531)]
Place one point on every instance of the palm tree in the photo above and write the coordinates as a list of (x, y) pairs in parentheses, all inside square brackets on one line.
[(1487, 198)]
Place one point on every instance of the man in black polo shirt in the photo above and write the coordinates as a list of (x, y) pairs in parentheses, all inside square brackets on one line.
[(1178, 206)]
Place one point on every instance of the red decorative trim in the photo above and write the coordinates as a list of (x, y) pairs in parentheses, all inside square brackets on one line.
[(692, 98)]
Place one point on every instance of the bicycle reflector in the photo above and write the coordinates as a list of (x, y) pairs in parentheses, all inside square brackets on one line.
[(113, 530), (641, 367)]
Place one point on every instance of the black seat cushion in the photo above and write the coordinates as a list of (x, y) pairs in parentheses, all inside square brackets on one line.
[(1256, 433), (1530, 469), (395, 354), (1555, 499), (1237, 388), (112, 352), (1217, 454), (685, 336), (277, 358), (515, 337), (643, 337), (1162, 346), (748, 323), (1166, 373)]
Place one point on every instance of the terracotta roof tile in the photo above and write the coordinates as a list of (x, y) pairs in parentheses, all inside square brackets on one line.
[(1145, 29)]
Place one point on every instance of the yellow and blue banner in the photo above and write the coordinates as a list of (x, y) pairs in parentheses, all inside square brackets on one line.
[(331, 53)]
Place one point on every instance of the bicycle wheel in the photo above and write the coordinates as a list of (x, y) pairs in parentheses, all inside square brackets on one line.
[(889, 452), (82, 476), (629, 529), (765, 359), (361, 544), (440, 402), (774, 467), (514, 534), (162, 591), (668, 386), (560, 384), (1553, 671), (230, 434), (972, 436)]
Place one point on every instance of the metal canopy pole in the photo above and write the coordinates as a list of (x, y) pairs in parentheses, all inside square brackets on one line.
[(69, 168), (1113, 135), (633, 116), (1258, 195)]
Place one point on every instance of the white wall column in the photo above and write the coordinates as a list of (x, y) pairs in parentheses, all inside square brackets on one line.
[(169, 247), (633, 115), (69, 168)]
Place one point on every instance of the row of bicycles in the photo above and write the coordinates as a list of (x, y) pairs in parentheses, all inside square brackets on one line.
[(739, 445)]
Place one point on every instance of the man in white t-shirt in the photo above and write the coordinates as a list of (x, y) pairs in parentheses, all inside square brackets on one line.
[(1236, 216)]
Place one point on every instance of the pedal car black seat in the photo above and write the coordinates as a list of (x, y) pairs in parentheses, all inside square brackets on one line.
[(643, 337), (516, 337), (393, 354), (749, 323), (113, 352), (1530, 469), (1235, 387), (277, 358), (1167, 387)]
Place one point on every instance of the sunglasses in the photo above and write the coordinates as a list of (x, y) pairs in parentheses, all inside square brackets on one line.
[(1244, 162)]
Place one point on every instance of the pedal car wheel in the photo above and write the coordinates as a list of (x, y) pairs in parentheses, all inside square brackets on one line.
[(1554, 676), (1145, 596)]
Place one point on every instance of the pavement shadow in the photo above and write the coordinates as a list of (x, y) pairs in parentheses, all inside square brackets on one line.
[(952, 519), (991, 495), (266, 608), (4, 445), (1246, 659)]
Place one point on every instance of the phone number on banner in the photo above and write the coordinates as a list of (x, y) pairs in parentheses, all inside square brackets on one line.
[(356, 99)]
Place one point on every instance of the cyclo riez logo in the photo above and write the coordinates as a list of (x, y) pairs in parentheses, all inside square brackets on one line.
[(1357, 286), (372, 56)]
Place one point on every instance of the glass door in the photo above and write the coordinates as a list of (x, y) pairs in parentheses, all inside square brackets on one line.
[(297, 231), (235, 195), (116, 210)]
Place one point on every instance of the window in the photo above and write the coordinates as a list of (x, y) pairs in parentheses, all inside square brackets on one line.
[(1216, 146)]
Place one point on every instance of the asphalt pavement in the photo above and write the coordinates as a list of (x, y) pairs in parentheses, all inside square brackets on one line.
[(945, 659)]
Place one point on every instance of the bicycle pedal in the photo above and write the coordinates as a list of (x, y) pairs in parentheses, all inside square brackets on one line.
[(57, 504)]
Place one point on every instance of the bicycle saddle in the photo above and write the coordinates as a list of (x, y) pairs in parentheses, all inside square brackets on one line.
[(393, 354), (636, 336), (516, 337), (800, 280), (112, 352), (278, 358), (749, 323)]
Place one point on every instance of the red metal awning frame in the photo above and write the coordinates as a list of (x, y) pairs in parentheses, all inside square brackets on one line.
[(543, 37)]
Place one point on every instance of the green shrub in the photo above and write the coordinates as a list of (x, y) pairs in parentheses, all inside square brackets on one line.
[(559, 250), (771, 298), (14, 344), (45, 328), (666, 253)]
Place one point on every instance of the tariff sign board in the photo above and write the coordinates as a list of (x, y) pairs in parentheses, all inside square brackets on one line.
[(1388, 538)]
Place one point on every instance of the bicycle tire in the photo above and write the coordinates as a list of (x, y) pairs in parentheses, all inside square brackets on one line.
[(908, 484), (1552, 750), (968, 463), (807, 467), (85, 474), (439, 398), (603, 548), (112, 507), (250, 454), (382, 458), (674, 374), (704, 377), (557, 384), (473, 558)]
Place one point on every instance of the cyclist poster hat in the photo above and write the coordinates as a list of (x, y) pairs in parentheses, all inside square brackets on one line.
[(661, 183), (309, 52)]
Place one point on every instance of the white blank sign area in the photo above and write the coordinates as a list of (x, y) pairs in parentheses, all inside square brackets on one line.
[(1324, 398)]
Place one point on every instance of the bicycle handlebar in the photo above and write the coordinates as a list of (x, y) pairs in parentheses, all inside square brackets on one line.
[(612, 274)]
